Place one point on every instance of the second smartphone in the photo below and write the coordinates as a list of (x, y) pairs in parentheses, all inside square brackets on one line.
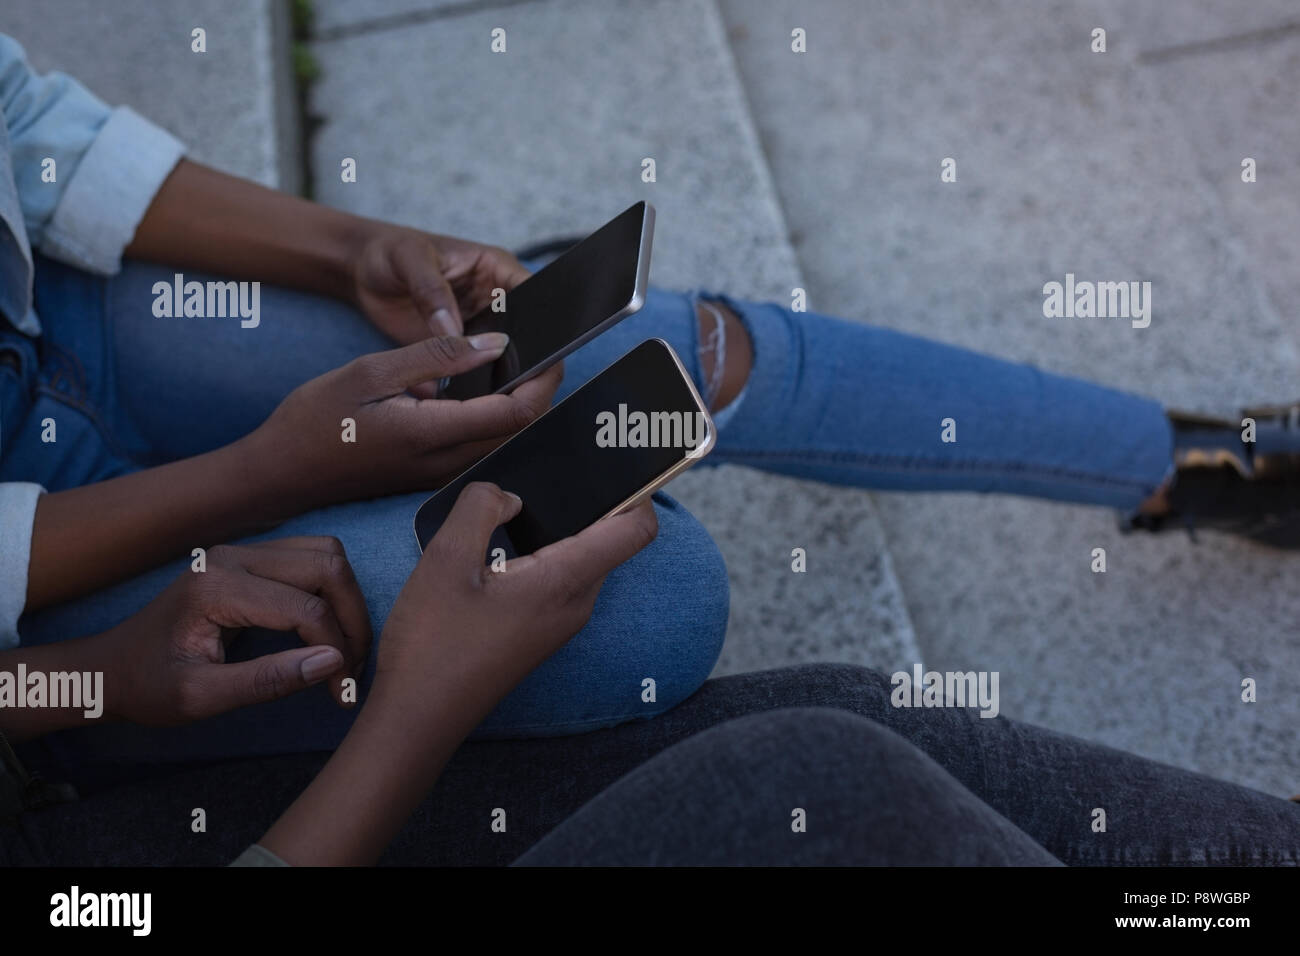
[(596, 284), (601, 451)]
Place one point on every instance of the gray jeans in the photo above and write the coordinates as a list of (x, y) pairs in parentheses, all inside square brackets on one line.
[(804, 765)]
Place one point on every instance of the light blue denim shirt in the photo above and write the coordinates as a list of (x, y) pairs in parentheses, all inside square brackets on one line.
[(107, 166)]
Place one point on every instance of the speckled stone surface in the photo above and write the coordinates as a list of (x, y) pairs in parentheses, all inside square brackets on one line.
[(548, 139), (1104, 165), (1119, 165), (332, 17), (231, 105), (1229, 74)]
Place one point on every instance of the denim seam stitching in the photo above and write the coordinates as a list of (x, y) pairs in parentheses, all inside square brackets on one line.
[(91, 414), (109, 374)]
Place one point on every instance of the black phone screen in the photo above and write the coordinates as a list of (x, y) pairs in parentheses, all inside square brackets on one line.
[(588, 454), (557, 305)]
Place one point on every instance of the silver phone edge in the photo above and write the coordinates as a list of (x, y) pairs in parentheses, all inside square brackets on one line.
[(667, 476), (639, 289)]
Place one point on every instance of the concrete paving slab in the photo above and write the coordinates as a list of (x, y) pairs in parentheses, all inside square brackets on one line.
[(1232, 88), (231, 105), (450, 136), (331, 17), (1160, 30), (1068, 161)]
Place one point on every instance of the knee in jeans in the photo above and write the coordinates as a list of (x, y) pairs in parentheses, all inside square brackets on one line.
[(681, 612), (652, 641)]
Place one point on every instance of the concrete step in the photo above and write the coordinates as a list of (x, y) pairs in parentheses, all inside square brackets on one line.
[(1228, 73), (233, 105), (548, 139), (334, 18), (1100, 164)]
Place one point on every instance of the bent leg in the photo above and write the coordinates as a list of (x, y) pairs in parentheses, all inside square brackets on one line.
[(1046, 783), (802, 787), (660, 616)]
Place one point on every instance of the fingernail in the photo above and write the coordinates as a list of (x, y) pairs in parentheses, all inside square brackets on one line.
[(320, 665), (513, 495), (442, 319), (489, 341)]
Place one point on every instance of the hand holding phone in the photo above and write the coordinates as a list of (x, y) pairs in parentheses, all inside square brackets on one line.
[(603, 450), (496, 627), (590, 288), (458, 639), (355, 433)]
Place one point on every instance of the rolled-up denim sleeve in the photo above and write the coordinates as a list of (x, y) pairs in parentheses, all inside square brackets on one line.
[(17, 515), (108, 164)]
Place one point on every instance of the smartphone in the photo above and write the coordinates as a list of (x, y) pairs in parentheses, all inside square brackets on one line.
[(591, 287), (603, 450)]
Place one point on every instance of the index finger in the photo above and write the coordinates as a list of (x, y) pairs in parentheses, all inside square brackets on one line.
[(326, 573), (255, 601), (539, 391), (418, 264), (431, 359), (511, 271)]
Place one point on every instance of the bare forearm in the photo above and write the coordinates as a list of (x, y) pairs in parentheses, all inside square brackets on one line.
[(19, 720), (387, 764), (86, 538), (204, 219), (363, 795)]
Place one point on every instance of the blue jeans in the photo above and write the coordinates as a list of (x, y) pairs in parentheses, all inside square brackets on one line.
[(827, 399)]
